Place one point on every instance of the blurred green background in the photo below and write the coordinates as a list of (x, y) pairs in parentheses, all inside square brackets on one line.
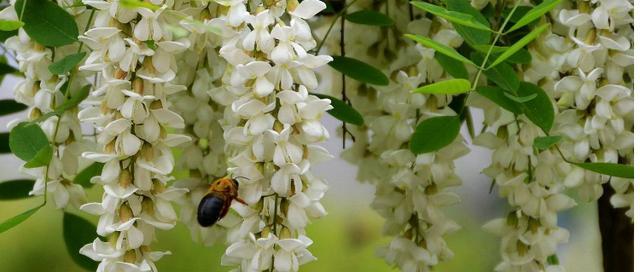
[(346, 240)]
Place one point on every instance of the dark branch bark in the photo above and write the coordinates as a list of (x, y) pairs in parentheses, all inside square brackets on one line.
[(616, 232)]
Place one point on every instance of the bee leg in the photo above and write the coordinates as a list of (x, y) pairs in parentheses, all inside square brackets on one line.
[(241, 201)]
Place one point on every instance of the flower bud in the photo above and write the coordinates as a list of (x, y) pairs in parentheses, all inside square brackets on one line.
[(125, 213), (124, 180)]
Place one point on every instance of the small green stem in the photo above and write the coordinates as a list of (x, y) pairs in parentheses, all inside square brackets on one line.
[(333, 22), (483, 66)]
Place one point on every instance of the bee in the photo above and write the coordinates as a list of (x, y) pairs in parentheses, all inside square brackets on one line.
[(215, 204)]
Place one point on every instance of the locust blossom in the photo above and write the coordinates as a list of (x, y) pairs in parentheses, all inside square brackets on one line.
[(132, 114), (42, 92), (591, 51), (412, 190), (271, 128)]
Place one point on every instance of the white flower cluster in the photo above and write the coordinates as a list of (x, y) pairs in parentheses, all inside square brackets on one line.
[(133, 57), (203, 157), (43, 91), (532, 185), (588, 63), (271, 128), (411, 191), (593, 85)]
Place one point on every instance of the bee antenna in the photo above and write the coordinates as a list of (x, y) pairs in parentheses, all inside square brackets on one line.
[(241, 177)]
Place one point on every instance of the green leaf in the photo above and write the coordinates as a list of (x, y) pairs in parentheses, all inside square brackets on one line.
[(66, 64), (535, 13), (42, 158), (539, 110), (520, 44), (449, 86), (84, 177), (359, 70), (543, 143), (75, 99), (26, 140), (502, 75), (343, 111), (10, 25), (78, 232), (4, 35), (16, 220), (497, 96), (4, 143), (553, 259), (134, 4), (452, 66), (451, 16), (521, 99), (6, 68), (47, 23), (9, 106), (434, 133), (15, 189), (609, 169), (369, 17), (470, 35), (448, 51)]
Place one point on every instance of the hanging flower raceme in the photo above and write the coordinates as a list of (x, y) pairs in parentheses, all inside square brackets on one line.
[(587, 62), (411, 190), (271, 128), (532, 184), (44, 92), (133, 56), (203, 157)]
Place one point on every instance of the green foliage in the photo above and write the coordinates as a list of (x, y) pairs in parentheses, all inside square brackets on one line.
[(47, 23), (84, 177), (9, 25), (4, 143), (66, 64), (359, 70), (455, 17), (441, 48), (434, 133), (15, 189), (502, 75), (544, 143), (42, 158), (535, 13), (521, 99), (520, 44), (78, 232), (72, 102), (29, 143), (471, 35), (450, 86), (134, 4), (539, 110), (343, 111), (452, 66), (609, 169), (497, 96), (16, 220), (9, 106), (369, 17)]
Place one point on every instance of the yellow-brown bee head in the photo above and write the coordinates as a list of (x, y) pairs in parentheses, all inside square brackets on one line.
[(225, 185)]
